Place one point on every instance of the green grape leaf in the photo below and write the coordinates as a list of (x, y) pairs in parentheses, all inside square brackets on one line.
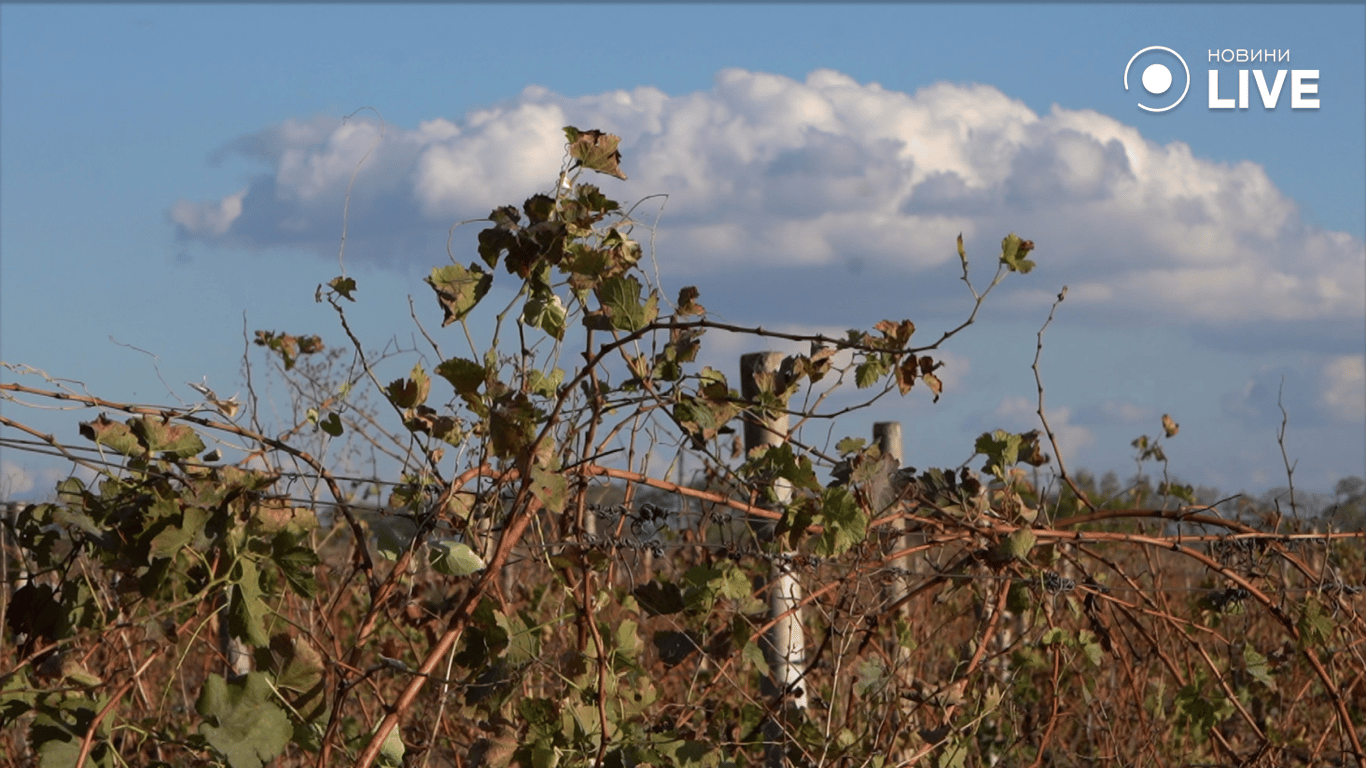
[(171, 539), (523, 639), (161, 436), (620, 299), (343, 286), (465, 375), (116, 435), (247, 610), (393, 534), (391, 750), (546, 311), (296, 561), (454, 558), (1258, 667), (628, 637), (1013, 252), (1315, 628), (1019, 543), (241, 721), (332, 425), (550, 488), (870, 371), (845, 524), (459, 289)]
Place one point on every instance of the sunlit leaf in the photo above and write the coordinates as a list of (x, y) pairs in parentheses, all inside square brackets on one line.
[(844, 522), (1013, 252), (1170, 426), (546, 311), (455, 558), (550, 488), (620, 297), (344, 286), (595, 150), (628, 637), (391, 750), (465, 375), (459, 289), (1258, 667), (850, 445), (935, 385), (165, 437), (543, 385), (114, 434), (1018, 544), (869, 372)]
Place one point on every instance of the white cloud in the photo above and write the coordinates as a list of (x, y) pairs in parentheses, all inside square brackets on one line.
[(28, 482), (15, 481), (1344, 394), (501, 156), (207, 218), (763, 170), (1021, 414), (1122, 412)]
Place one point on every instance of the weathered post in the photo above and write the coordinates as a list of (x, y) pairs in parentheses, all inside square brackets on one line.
[(786, 644), (888, 437)]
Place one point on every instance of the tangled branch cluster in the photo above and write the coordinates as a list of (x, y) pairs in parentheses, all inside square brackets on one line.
[(527, 588)]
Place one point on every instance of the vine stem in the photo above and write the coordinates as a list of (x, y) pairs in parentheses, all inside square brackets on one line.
[(88, 742), (516, 527)]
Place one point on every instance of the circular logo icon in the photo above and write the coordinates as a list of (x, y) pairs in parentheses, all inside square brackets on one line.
[(1157, 76)]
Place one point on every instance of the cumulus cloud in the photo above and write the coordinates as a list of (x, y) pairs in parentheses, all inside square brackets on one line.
[(1317, 391), (824, 177), (1344, 394), (210, 218), (1114, 412), (27, 482), (1019, 414), (15, 481)]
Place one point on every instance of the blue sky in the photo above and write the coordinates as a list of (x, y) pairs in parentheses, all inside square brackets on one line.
[(167, 169)]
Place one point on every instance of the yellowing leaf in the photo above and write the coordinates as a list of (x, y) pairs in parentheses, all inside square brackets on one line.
[(459, 289), (1170, 426), (343, 286), (116, 435), (595, 150), (1013, 252)]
